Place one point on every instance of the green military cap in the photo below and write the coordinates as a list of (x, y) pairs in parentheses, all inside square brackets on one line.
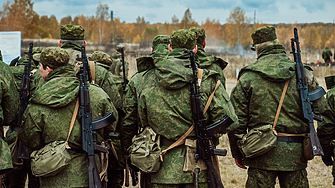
[(264, 34), (37, 57), (34, 51), (116, 55), (161, 39), (54, 57), (201, 34), (101, 57), (72, 32), (183, 38)]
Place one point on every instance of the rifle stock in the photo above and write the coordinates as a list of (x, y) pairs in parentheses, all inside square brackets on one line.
[(125, 80), (305, 97)]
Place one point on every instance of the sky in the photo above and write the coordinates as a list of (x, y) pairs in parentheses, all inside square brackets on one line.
[(157, 11)]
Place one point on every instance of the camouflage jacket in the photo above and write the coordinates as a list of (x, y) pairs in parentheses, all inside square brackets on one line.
[(163, 100), (326, 128), (118, 71), (210, 62), (47, 119), (256, 97), (18, 71), (327, 53)]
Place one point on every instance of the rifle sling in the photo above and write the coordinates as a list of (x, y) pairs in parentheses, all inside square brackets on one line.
[(278, 112), (92, 69), (181, 140), (72, 123)]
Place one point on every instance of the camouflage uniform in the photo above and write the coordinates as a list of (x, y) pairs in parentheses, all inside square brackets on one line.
[(71, 35), (19, 178), (326, 131), (206, 61), (255, 99), (9, 100), (163, 100), (326, 55), (160, 49), (115, 173), (49, 113), (117, 66)]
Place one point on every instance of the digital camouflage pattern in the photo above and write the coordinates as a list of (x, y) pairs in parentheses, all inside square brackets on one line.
[(9, 100), (72, 32), (263, 34), (326, 128), (327, 54), (47, 119), (54, 57), (183, 38), (161, 39), (37, 57), (36, 50), (163, 100), (101, 57), (255, 99), (201, 34)]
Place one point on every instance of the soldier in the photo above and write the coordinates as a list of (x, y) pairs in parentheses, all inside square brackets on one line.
[(117, 66), (115, 168), (48, 116), (163, 100), (71, 39), (255, 99), (18, 179), (9, 100), (326, 55), (325, 131), (208, 61)]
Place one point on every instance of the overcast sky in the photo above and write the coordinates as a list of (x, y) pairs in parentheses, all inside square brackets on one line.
[(153, 11)]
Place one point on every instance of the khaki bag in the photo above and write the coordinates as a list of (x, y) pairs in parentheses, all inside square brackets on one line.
[(50, 160), (189, 163), (53, 157), (144, 151), (257, 141)]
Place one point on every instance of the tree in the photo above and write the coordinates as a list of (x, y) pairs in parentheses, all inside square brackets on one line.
[(187, 20), (237, 28), (101, 17), (66, 20)]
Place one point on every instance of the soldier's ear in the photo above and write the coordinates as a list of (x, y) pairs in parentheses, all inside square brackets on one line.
[(60, 43), (204, 44), (195, 49), (85, 43), (152, 49), (170, 48)]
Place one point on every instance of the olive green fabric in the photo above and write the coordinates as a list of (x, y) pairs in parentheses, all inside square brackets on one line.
[(263, 34), (201, 34), (101, 57), (54, 57), (160, 39), (47, 119), (255, 99), (258, 178), (72, 32), (183, 38), (211, 62), (330, 81), (18, 71), (327, 54), (162, 97), (9, 97), (5, 157)]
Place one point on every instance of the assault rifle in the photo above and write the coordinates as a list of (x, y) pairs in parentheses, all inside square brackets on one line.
[(125, 80), (23, 151), (205, 150), (89, 127), (306, 98)]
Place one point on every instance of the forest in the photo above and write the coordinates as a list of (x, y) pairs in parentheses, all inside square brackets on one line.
[(19, 15)]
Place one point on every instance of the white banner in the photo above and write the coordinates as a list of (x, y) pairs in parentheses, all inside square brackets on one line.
[(10, 45)]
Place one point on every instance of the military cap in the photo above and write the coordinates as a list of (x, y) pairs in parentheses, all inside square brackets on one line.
[(101, 57), (72, 32), (183, 38), (34, 51), (54, 57), (37, 57), (264, 34), (201, 34), (119, 47), (116, 55), (161, 39)]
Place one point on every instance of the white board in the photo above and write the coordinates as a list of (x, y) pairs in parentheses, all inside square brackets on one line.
[(10, 45)]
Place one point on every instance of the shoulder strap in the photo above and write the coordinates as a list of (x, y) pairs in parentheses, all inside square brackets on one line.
[(92, 68), (72, 123), (181, 140)]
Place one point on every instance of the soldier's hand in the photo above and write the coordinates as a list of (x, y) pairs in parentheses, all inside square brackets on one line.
[(239, 163), (327, 160)]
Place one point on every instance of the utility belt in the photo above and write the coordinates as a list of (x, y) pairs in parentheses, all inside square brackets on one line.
[(295, 139), (168, 142)]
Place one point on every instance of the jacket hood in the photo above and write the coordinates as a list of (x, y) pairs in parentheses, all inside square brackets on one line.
[(61, 88), (175, 72), (210, 59)]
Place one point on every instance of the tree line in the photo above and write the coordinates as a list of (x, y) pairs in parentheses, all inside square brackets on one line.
[(19, 15)]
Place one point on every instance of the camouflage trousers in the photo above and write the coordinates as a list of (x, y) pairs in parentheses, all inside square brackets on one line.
[(259, 178)]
